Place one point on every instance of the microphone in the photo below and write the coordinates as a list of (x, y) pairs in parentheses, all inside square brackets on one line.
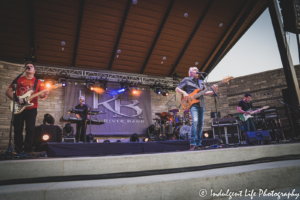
[(26, 67), (200, 73), (266, 93)]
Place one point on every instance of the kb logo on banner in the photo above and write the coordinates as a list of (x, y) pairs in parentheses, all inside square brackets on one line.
[(118, 106)]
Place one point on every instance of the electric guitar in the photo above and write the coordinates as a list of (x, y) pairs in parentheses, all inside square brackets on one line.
[(26, 99), (245, 116), (186, 104)]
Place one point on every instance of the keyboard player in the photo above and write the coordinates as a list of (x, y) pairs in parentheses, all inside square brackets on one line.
[(81, 126)]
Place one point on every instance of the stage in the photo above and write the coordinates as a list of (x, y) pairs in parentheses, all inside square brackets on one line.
[(168, 175), (63, 149)]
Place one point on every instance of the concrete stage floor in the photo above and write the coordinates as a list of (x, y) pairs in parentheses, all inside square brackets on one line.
[(174, 175)]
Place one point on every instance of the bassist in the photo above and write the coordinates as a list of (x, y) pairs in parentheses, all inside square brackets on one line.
[(24, 84), (244, 108), (186, 87)]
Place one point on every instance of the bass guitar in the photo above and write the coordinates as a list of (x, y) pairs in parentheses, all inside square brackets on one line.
[(26, 99), (193, 97), (245, 116)]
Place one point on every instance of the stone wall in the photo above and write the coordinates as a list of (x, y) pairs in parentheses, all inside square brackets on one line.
[(53, 104), (230, 94)]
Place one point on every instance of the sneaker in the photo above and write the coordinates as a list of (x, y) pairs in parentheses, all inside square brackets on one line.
[(192, 147)]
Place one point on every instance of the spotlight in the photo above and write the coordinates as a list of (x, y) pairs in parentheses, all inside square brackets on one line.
[(90, 86), (48, 83), (63, 82), (157, 90), (206, 135), (46, 137), (121, 90), (106, 141), (89, 138), (118, 141), (48, 119), (134, 138), (165, 92), (146, 139), (104, 85), (134, 90)]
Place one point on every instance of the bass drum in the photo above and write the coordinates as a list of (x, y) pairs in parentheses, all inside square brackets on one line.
[(185, 132)]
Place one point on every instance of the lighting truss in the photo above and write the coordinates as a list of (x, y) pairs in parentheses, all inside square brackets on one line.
[(107, 76)]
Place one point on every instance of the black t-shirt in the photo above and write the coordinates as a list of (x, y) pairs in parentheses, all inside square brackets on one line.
[(83, 107), (244, 106)]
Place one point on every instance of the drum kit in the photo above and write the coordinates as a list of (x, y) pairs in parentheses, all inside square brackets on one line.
[(170, 125)]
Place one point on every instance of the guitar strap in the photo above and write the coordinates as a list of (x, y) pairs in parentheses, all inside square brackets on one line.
[(35, 84)]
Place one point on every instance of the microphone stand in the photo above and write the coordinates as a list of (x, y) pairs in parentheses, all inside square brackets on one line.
[(289, 112), (14, 87), (215, 95), (89, 119)]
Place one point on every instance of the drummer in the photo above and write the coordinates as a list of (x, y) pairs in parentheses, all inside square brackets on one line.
[(177, 120)]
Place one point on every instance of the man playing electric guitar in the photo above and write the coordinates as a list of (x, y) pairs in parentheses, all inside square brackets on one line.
[(186, 87), (24, 84), (244, 108)]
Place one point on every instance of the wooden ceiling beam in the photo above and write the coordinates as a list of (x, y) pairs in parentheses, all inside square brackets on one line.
[(231, 36), (31, 25), (119, 34), (191, 36), (81, 7), (224, 34), (157, 35)]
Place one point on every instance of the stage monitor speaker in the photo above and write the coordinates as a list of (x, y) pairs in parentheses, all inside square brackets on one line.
[(257, 136), (52, 133)]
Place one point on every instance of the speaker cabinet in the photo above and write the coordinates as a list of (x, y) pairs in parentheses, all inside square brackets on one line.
[(257, 137)]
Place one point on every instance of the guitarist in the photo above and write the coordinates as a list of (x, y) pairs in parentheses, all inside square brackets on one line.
[(186, 87), (24, 84), (244, 108)]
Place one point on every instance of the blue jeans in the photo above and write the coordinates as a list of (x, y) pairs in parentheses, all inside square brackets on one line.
[(197, 125), (249, 125)]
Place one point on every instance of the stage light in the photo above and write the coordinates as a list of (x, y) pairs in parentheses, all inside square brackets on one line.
[(157, 90), (146, 139), (106, 141), (186, 14), (121, 90), (206, 135), (48, 83), (46, 137), (118, 141), (134, 138), (63, 82), (165, 93), (103, 85), (90, 86), (134, 91), (89, 138)]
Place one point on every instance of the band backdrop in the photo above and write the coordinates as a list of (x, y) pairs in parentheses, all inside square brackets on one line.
[(125, 113)]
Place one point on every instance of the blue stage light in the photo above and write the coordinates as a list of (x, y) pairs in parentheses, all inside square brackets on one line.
[(121, 90)]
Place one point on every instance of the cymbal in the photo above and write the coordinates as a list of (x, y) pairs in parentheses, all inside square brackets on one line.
[(166, 116), (174, 110)]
